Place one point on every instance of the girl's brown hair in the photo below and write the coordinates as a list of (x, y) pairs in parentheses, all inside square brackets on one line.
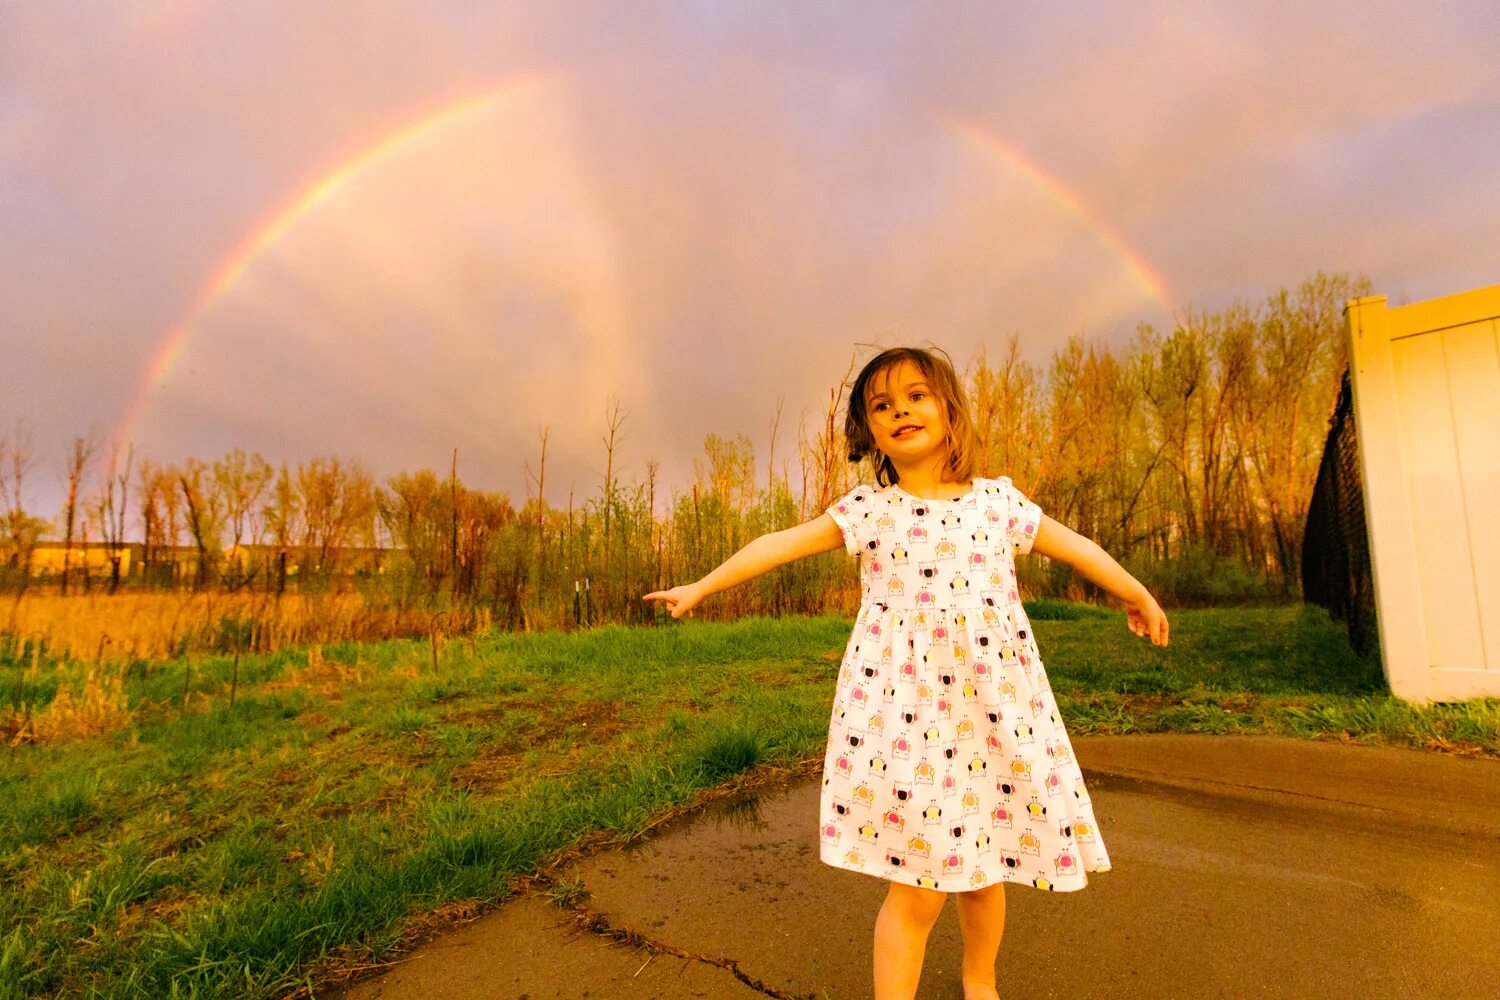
[(962, 441)]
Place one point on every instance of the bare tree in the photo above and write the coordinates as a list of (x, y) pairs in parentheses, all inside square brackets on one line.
[(540, 478), (613, 419), (242, 480), (771, 454), (76, 461), (205, 515), (113, 502), (830, 449), (20, 531), (338, 506)]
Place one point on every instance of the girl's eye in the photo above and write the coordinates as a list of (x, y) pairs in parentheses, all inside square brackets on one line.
[(918, 395)]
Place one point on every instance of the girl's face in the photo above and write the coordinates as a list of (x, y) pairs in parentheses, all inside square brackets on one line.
[(906, 418)]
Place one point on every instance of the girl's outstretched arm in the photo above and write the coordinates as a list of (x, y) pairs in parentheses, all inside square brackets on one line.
[(1142, 614), (821, 534)]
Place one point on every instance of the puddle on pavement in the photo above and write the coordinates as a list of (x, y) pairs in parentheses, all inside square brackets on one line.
[(751, 820)]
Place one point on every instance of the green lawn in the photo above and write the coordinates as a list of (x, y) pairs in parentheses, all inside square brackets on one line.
[(353, 789)]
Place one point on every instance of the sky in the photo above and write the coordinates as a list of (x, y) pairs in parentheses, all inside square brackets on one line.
[(386, 230)]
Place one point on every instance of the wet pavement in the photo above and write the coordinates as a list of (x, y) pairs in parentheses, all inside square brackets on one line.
[(1244, 866)]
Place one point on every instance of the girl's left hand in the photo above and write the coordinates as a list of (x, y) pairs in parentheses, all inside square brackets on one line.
[(1145, 617)]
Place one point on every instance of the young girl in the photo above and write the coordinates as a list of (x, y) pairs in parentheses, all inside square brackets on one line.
[(947, 769)]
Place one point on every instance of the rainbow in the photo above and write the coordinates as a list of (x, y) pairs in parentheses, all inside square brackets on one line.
[(307, 200), (265, 235), (1149, 280)]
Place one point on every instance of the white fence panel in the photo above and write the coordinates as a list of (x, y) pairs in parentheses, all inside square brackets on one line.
[(1426, 380)]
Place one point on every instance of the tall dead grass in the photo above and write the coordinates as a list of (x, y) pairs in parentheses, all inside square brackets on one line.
[(98, 708), (153, 626)]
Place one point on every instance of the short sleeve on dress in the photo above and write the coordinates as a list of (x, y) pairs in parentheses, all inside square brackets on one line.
[(851, 512), (1022, 519)]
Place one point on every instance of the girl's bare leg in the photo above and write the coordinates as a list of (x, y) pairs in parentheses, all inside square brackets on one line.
[(901, 929), (981, 918)]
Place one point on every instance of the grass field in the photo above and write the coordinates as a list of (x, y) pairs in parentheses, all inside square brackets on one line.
[(357, 793)]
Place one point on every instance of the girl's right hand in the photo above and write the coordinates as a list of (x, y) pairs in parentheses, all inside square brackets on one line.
[(679, 600)]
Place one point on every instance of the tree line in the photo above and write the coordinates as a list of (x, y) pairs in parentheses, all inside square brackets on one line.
[(1190, 454)]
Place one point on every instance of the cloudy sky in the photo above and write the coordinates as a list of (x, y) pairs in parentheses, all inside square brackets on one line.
[(385, 230)]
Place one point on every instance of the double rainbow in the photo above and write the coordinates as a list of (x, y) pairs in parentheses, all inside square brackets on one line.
[(306, 201)]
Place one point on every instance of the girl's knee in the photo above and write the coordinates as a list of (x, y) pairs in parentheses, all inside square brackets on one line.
[(922, 904)]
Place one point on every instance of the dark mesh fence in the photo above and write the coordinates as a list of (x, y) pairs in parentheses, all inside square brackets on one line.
[(1335, 544)]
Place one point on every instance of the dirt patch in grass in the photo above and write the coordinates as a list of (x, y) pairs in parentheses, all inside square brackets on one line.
[(486, 772), (600, 718)]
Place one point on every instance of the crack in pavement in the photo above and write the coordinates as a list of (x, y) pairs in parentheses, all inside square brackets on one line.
[(596, 923)]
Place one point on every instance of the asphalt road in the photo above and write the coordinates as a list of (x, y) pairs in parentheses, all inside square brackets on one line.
[(1243, 867)]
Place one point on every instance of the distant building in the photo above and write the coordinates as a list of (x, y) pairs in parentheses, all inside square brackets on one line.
[(96, 559)]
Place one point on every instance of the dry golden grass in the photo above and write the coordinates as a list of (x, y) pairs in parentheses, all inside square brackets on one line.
[(95, 627), (100, 707)]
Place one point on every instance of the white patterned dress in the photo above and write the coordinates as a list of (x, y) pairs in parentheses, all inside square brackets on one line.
[(947, 764)]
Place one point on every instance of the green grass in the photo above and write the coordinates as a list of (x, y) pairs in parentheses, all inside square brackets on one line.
[(1284, 671), (219, 851)]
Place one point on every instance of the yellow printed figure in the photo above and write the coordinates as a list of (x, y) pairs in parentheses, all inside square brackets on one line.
[(1028, 843)]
